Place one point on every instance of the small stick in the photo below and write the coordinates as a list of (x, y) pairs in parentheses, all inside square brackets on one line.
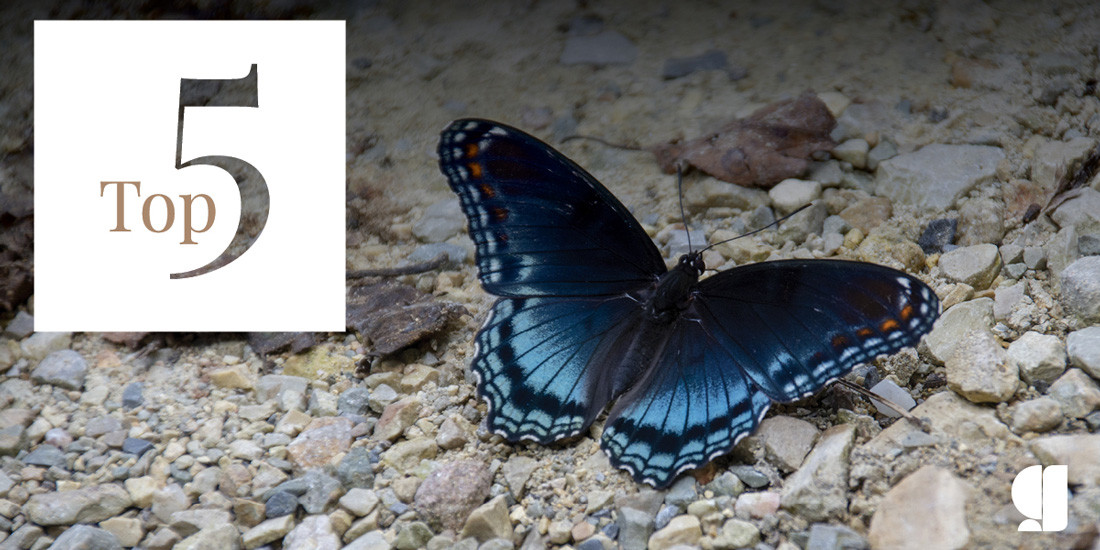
[(411, 269), (880, 399)]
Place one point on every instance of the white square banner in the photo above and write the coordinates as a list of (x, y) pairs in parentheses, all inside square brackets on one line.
[(148, 134)]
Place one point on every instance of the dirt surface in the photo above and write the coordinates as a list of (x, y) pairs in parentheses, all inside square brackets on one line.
[(1012, 75)]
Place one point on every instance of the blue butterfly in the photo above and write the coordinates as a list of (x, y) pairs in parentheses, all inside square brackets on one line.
[(589, 315)]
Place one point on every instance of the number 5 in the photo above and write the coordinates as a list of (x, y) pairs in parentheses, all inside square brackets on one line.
[(250, 182)]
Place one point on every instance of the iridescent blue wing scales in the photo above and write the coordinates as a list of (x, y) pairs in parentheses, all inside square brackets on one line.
[(773, 331), (542, 226), (535, 359), (693, 406), (796, 325)]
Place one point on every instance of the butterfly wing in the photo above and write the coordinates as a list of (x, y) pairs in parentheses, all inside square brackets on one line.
[(536, 358), (542, 226), (795, 325), (691, 407), (773, 331)]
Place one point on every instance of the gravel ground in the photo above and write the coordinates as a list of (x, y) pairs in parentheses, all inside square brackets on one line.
[(954, 118)]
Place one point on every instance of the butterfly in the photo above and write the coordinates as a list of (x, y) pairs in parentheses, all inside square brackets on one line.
[(588, 315)]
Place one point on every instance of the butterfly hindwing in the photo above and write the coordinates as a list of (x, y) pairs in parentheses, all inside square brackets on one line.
[(535, 360), (795, 325), (691, 407), (542, 226)]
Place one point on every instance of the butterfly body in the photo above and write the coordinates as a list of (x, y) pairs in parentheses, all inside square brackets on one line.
[(589, 316)]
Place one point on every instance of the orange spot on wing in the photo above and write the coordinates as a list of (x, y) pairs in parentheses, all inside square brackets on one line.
[(475, 170), (487, 190), (840, 341), (864, 332), (471, 150), (888, 325), (906, 312), (500, 214)]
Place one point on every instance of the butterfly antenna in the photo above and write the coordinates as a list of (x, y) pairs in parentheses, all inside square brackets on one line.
[(755, 231), (680, 191)]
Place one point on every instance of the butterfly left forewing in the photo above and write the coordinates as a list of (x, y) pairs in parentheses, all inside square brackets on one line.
[(542, 226)]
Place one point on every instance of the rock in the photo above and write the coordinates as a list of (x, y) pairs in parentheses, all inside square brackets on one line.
[(313, 533), (824, 537), (451, 435), (605, 48), (726, 484), (1083, 348), (897, 395), (1036, 415), (322, 403), (140, 490), (936, 176), (86, 505), (979, 370), (786, 441), (441, 221), (406, 455), (270, 386), (20, 327), (223, 537), (354, 401), (267, 531), (381, 397), (189, 522), (710, 60), (953, 325), (1078, 394), (374, 540), (1081, 288), (884, 150), (819, 489), (413, 536), (949, 416), (1081, 212), (1078, 451), (489, 521), (131, 396), (320, 442), (280, 503), (45, 456), (853, 151), (234, 377), (803, 224), (926, 509), (86, 537), (792, 194), (635, 527), (452, 491), (981, 221), (1061, 251), (64, 369), (161, 539), (1007, 299), (40, 344), (396, 418), (938, 234), (355, 469), (868, 213), (168, 500), (975, 265), (757, 505), (128, 531), (684, 529), (359, 501), (1039, 357), (736, 533)]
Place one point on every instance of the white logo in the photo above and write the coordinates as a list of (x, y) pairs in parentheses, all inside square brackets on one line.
[(1041, 494), (189, 175)]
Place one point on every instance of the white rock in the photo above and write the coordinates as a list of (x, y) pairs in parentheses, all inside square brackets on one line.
[(927, 509), (1083, 348), (791, 194), (937, 175), (1039, 357)]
